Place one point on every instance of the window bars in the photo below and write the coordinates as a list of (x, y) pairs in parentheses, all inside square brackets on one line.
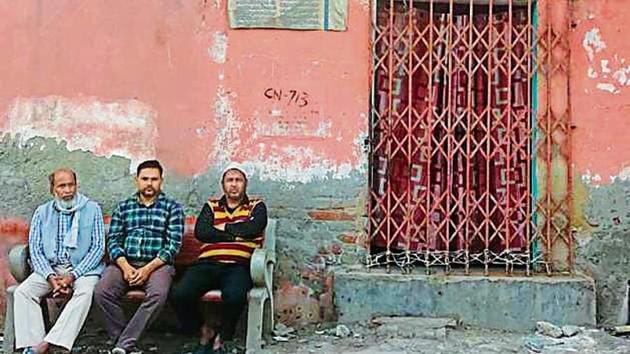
[(470, 135)]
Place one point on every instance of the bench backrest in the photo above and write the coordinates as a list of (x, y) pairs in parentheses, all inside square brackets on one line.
[(20, 268), (191, 247)]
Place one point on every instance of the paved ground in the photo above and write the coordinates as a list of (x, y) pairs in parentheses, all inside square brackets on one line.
[(400, 336)]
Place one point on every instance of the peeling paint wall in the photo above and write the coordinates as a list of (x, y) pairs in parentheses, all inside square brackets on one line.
[(600, 73), (101, 85)]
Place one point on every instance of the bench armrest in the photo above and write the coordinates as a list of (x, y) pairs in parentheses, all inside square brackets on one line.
[(19, 264), (261, 268)]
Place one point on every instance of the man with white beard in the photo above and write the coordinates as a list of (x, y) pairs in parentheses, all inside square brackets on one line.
[(66, 246)]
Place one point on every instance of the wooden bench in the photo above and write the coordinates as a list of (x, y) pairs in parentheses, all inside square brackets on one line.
[(260, 298)]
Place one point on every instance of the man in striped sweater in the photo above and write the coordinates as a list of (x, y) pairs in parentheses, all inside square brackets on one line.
[(230, 228)]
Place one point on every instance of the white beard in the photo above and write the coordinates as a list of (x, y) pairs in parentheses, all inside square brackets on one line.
[(67, 204)]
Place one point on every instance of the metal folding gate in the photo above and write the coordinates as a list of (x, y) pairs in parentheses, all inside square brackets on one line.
[(470, 145)]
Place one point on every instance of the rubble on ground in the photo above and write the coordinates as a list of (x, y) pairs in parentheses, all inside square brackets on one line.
[(395, 335)]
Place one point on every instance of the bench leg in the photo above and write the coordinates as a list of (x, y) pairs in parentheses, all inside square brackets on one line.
[(9, 330), (259, 313)]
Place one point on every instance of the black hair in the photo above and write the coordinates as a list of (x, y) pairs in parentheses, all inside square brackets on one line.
[(149, 164)]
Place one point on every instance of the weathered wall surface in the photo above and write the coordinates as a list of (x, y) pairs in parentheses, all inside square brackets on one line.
[(600, 86), (102, 85), (501, 302)]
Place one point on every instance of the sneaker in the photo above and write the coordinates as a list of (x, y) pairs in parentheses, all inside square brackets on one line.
[(119, 350), (28, 350)]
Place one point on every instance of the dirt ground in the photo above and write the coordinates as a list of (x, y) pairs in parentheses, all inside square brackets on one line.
[(400, 337)]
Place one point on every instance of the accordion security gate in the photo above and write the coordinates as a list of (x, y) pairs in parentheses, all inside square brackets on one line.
[(467, 136)]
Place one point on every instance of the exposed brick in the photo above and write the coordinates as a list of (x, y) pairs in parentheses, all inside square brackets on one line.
[(330, 215), (13, 230)]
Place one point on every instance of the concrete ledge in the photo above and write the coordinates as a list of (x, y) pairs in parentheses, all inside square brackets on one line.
[(500, 302)]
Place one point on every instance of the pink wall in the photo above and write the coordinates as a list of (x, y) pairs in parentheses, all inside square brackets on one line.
[(600, 90), (170, 79)]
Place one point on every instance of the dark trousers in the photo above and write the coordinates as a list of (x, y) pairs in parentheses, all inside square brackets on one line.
[(234, 282)]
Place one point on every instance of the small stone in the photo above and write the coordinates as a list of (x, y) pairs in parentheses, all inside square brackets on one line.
[(280, 339), (358, 344), (548, 329), (303, 340), (440, 334), (570, 331), (342, 331), (283, 330)]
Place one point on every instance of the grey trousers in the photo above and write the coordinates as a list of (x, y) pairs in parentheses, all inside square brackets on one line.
[(108, 297), (29, 323)]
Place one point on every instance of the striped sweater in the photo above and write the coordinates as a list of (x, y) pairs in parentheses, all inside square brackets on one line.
[(244, 226)]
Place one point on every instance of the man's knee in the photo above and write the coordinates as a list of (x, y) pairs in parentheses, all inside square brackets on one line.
[(85, 291), (22, 292), (102, 291), (180, 293), (234, 295), (157, 296)]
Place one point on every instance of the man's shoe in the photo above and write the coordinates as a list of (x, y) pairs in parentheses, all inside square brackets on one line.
[(119, 350), (29, 350), (220, 350)]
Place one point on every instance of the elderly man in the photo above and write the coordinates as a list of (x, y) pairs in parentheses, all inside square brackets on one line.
[(66, 245), (145, 234), (231, 228)]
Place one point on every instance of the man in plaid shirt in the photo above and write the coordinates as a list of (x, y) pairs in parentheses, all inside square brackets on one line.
[(144, 236)]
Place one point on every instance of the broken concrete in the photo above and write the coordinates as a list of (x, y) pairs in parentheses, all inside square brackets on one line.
[(513, 303), (603, 250)]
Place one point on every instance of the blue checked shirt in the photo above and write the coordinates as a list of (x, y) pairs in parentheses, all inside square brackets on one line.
[(61, 254), (44, 266), (140, 233)]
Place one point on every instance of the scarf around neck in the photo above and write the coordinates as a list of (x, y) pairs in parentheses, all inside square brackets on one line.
[(70, 238)]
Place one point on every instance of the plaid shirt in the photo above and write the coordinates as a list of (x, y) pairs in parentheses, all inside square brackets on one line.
[(140, 233), (61, 256)]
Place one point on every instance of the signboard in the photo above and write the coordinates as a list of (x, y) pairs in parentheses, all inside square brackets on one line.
[(327, 15)]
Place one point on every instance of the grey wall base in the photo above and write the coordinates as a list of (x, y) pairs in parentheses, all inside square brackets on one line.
[(513, 303)]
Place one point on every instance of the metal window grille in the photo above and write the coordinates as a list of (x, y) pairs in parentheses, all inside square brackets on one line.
[(468, 139)]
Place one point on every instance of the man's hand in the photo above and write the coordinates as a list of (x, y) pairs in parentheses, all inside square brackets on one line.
[(141, 276), (55, 282), (58, 285), (129, 272), (67, 281)]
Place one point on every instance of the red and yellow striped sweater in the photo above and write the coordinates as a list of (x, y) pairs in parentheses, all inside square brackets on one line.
[(238, 251)]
